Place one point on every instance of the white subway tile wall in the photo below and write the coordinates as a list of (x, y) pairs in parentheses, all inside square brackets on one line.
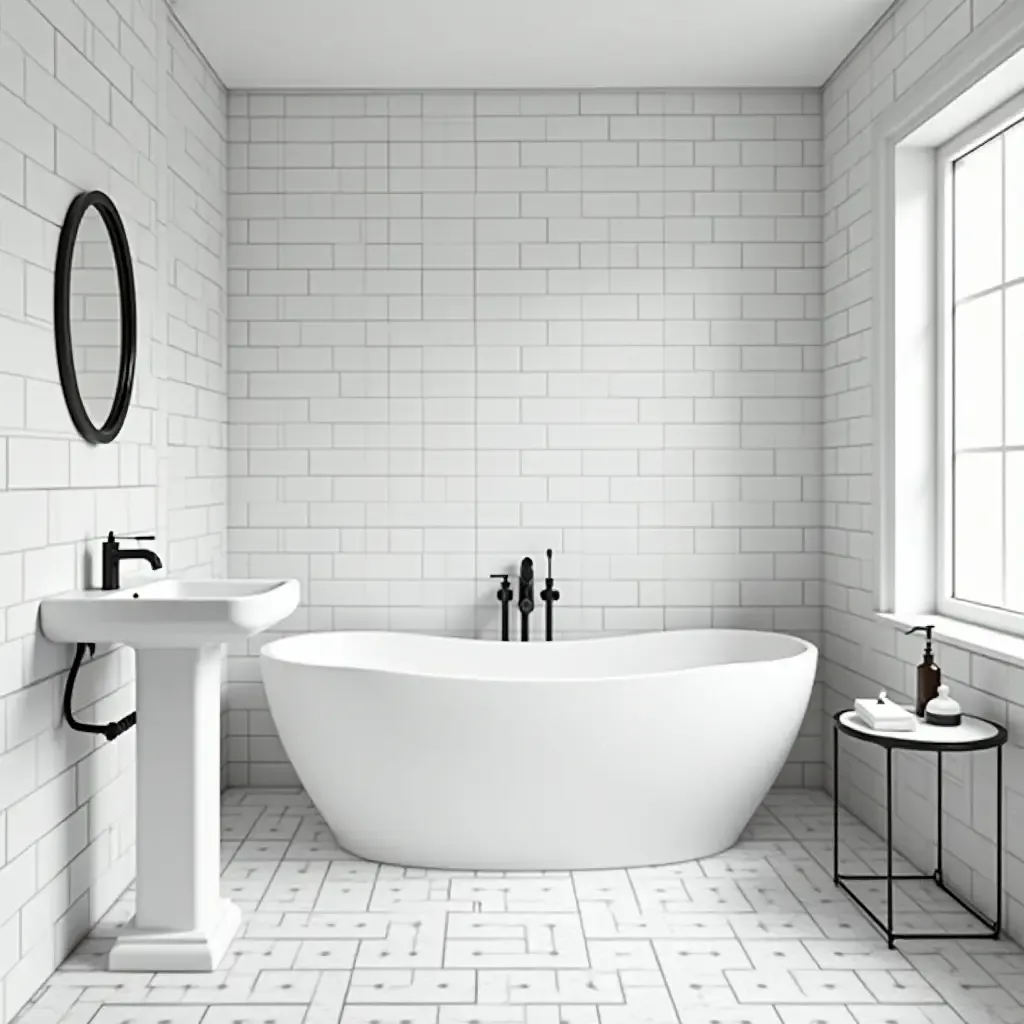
[(197, 370), (112, 97), (863, 654), (468, 327)]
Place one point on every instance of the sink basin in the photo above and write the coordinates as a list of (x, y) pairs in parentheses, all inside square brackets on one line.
[(169, 613)]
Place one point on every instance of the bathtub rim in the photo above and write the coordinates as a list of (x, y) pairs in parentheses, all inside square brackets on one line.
[(267, 653)]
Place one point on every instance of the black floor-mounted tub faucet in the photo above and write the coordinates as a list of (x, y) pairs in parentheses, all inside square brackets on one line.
[(526, 604), (549, 596)]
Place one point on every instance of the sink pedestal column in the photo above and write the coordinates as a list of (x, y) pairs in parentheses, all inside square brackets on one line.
[(181, 923)]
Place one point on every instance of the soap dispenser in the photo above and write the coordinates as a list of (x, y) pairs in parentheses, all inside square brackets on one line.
[(929, 676)]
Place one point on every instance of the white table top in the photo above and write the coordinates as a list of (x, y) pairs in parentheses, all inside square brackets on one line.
[(970, 730)]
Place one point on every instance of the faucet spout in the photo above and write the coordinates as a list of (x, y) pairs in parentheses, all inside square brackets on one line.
[(142, 555), (526, 602)]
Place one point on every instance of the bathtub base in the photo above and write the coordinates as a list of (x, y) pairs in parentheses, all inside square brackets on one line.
[(155, 950), (537, 849), (533, 860)]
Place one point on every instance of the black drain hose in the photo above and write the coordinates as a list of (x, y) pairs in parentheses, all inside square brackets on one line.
[(112, 729)]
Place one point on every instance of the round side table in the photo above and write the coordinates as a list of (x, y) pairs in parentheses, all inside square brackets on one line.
[(972, 734)]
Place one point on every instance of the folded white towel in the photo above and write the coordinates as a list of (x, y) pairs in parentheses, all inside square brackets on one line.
[(882, 715)]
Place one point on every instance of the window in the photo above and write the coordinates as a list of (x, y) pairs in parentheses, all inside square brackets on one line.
[(947, 354), (980, 453)]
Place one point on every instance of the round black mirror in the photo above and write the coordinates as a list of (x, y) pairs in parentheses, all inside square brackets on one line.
[(94, 315)]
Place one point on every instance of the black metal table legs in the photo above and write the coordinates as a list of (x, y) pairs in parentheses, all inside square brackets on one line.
[(887, 927)]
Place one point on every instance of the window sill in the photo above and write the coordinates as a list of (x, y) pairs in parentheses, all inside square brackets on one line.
[(991, 643)]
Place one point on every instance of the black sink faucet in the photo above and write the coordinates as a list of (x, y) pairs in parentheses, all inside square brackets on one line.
[(525, 595), (113, 556)]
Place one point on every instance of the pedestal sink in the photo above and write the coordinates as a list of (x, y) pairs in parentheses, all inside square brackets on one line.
[(176, 628)]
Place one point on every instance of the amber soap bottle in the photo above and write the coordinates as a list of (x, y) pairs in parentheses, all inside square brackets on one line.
[(929, 676)]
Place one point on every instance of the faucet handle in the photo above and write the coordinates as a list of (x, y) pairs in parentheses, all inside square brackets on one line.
[(130, 536)]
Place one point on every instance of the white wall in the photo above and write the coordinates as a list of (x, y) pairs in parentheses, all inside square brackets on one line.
[(196, 370), (116, 100), (468, 327), (863, 654)]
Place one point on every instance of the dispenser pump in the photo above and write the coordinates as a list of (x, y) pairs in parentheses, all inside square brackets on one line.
[(927, 630), (929, 676)]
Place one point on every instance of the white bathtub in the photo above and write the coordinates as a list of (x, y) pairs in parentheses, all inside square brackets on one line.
[(472, 754)]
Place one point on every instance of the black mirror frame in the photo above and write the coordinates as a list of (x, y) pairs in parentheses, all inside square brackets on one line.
[(103, 204)]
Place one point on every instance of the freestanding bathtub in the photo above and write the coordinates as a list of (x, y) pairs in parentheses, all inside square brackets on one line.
[(624, 751)]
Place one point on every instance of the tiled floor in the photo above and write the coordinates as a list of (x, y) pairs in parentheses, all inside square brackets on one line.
[(758, 935)]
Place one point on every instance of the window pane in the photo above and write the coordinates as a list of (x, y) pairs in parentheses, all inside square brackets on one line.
[(978, 220), (1015, 531), (978, 373), (1014, 142), (978, 528), (1015, 365)]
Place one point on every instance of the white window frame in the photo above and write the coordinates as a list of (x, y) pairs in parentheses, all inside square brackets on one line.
[(976, 135), (968, 90)]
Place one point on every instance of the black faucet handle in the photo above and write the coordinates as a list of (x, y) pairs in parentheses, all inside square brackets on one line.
[(500, 576), (130, 536), (549, 593)]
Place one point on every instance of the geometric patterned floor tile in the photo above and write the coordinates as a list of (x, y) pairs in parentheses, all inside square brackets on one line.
[(755, 935)]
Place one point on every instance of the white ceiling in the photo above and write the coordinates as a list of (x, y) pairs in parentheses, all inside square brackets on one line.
[(525, 44)]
